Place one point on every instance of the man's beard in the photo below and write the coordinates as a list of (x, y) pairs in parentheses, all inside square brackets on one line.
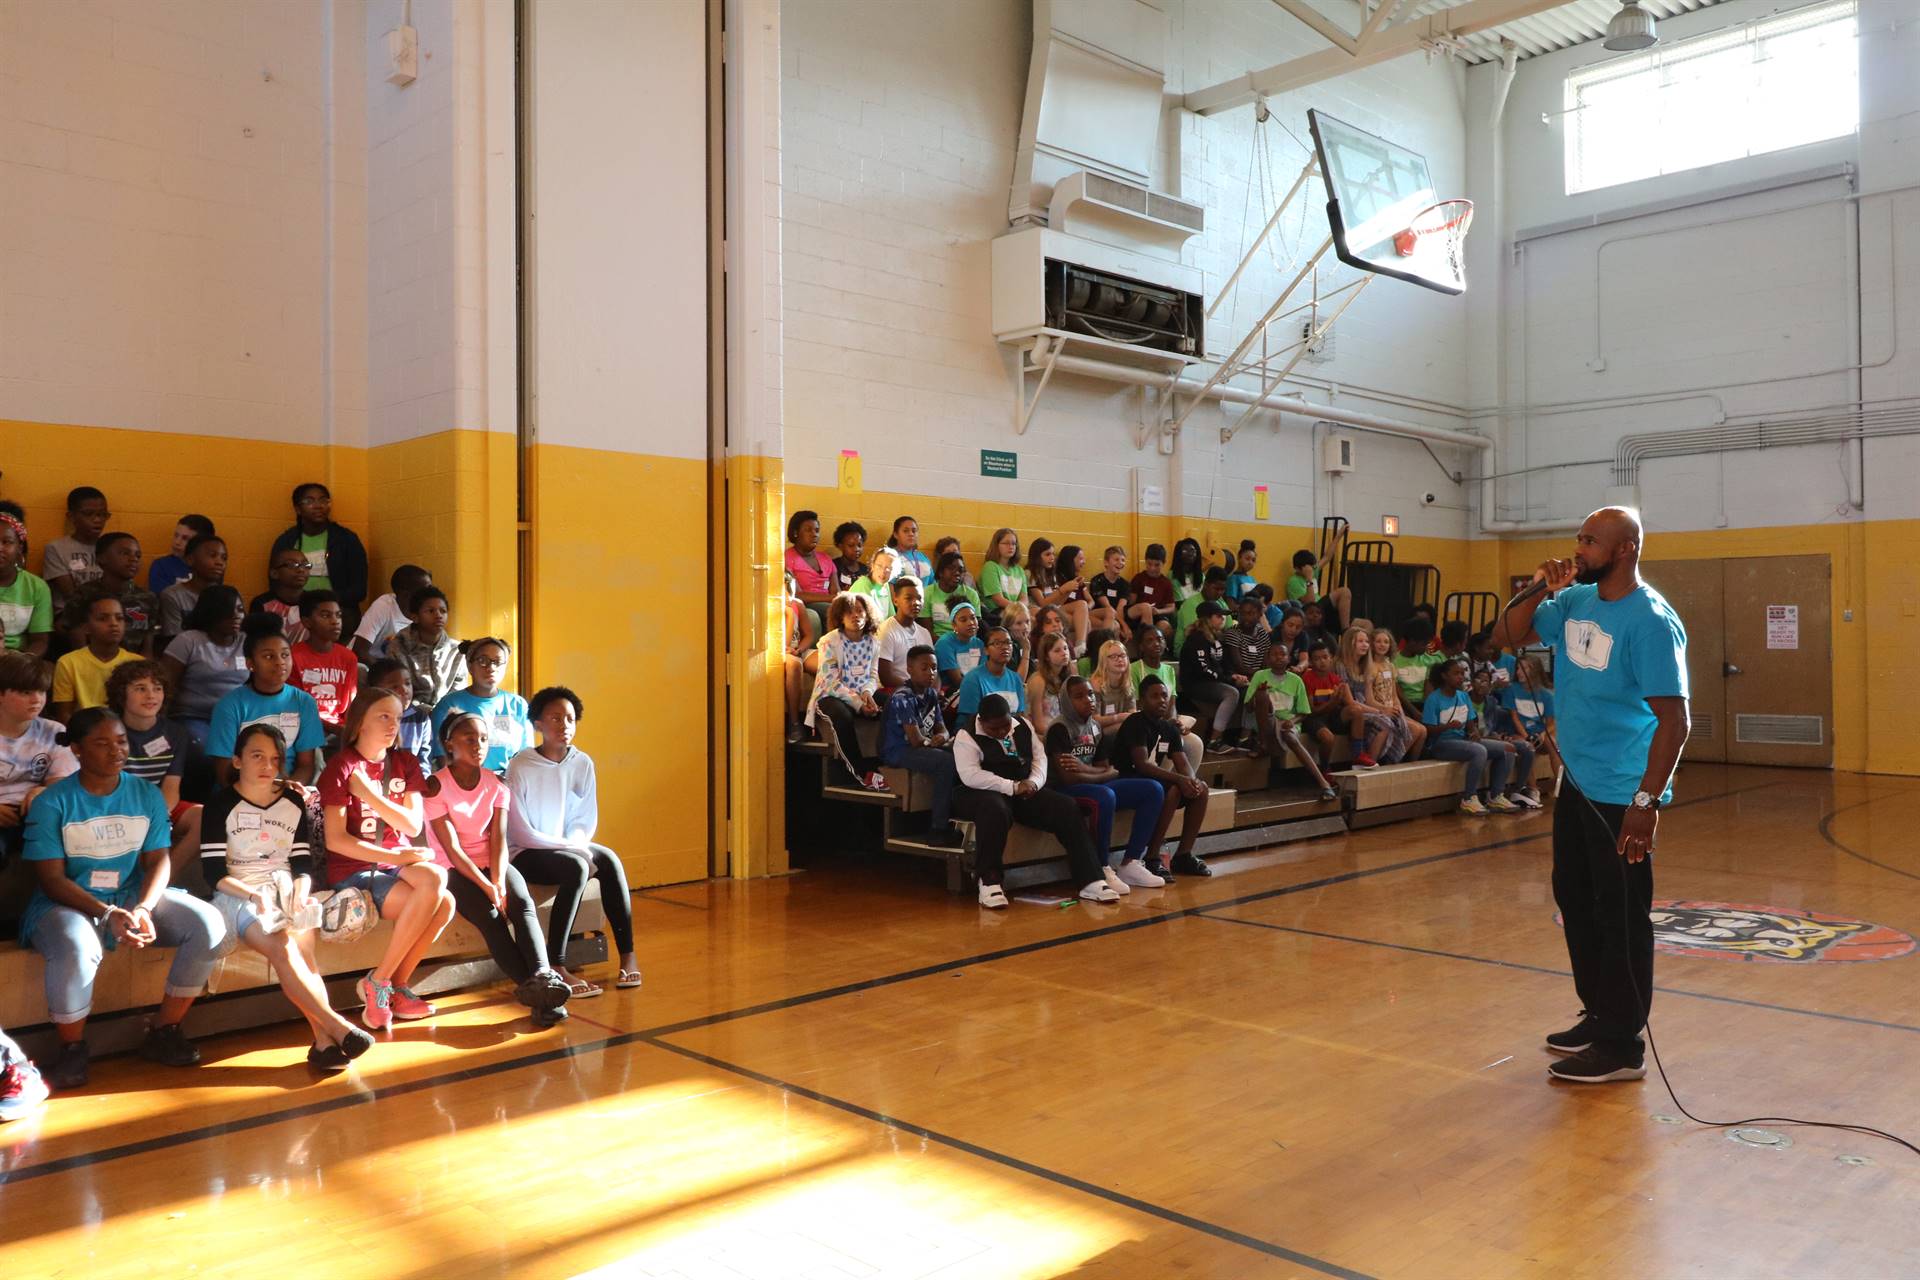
[(1588, 576)]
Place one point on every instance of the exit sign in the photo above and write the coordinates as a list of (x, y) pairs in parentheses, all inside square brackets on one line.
[(1003, 464), (1390, 525)]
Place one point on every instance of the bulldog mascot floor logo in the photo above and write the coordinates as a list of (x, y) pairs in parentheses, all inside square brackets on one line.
[(1727, 930)]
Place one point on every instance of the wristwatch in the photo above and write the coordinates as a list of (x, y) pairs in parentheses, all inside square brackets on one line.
[(1645, 800)]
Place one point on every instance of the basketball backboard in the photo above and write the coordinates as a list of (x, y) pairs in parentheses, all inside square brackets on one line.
[(1383, 211)]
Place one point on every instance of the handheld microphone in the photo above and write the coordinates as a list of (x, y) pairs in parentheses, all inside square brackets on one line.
[(1537, 587)]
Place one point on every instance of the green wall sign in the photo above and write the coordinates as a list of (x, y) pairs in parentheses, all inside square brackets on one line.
[(996, 462)]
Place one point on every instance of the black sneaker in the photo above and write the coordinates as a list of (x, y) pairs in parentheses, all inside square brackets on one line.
[(550, 1017), (355, 1043), (1574, 1038), (327, 1058), (543, 990), (1160, 868), (948, 839), (1598, 1064), (68, 1069), (168, 1045), (1189, 864)]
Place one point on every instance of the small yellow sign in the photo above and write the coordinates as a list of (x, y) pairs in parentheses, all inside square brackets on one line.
[(850, 471), (1260, 509)]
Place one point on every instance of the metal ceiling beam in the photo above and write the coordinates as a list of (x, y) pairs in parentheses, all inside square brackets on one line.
[(1320, 23), (1387, 44)]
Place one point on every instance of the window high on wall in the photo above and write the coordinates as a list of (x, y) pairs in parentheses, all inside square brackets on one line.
[(1764, 86)]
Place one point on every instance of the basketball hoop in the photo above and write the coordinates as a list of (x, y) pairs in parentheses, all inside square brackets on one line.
[(1448, 220)]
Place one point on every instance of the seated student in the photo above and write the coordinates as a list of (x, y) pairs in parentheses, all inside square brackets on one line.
[(849, 677), (1048, 620), (1524, 713), (1188, 569), (1486, 672), (948, 589), (1018, 620), (915, 738), (1047, 685), (1413, 665), (1291, 634), (555, 814), (1097, 639), (1003, 781), (1153, 601), (206, 568), (1242, 579), (157, 752), (1079, 756), (961, 649), (1049, 588), (31, 755), (1336, 712), (67, 563), (1112, 686), (385, 618), (509, 728), (1249, 639), (371, 801), (850, 541), (467, 808), (432, 657), (1212, 588), (206, 660), (1209, 692), (991, 677), (1153, 661), (1304, 585), (874, 585), (1382, 738), (1148, 746), (1453, 643), (899, 634), (80, 677), (265, 697), (117, 557), (256, 848), (416, 723), (905, 541), (1281, 707), (336, 560), (287, 576), (1112, 595), (1384, 690), (1003, 582), (1077, 595), (172, 567), (812, 569), (799, 642), (98, 841), (1448, 713), (22, 1090), (322, 666), (950, 545), (26, 602), (1313, 626), (1432, 615)]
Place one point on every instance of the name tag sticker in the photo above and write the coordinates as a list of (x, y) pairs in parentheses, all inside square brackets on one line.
[(505, 729), (246, 822), (239, 662), (77, 561), (103, 880), (316, 564), (158, 746)]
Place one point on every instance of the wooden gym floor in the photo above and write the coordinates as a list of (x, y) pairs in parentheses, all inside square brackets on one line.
[(1324, 1061)]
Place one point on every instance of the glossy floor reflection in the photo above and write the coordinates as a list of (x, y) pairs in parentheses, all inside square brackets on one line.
[(1324, 1061)]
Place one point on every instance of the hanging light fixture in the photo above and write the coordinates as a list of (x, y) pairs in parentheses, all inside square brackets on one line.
[(1631, 28)]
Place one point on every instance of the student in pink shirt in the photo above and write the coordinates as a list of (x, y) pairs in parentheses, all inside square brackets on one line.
[(812, 568), (467, 827)]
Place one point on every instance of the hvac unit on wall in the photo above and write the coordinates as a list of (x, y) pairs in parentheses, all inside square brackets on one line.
[(1047, 282)]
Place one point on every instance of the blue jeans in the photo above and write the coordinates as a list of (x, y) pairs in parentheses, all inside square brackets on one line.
[(1144, 796), (74, 946), (1487, 760), (938, 768)]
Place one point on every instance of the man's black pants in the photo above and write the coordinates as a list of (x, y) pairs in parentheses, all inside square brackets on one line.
[(1604, 901)]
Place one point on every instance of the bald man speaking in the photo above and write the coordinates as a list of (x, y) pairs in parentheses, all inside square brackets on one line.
[(1620, 688)]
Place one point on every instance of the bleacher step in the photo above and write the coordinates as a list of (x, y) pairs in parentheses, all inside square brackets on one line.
[(1281, 804), (860, 795)]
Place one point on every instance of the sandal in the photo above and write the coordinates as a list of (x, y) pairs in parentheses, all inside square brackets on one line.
[(628, 978), (581, 989)]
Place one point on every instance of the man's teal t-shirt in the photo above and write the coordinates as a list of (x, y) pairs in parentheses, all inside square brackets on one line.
[(1609, 658)]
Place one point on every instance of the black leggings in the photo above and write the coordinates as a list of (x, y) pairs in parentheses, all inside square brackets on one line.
[(567, 871), (993, 816), (843, 717), (513, 938)]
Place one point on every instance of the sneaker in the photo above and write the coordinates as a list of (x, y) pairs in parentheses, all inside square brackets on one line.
[(1528, 797), (21, 1091), (796, 733), (1597, 1064), (1329, 793), (1189, 864), (167, 1044), (377, 997), (407, 1006), (542, 990), (355, 1043), (327, 1058), (1471, 805), (1099, 891), (993, 897), (1576, 1037), (1135, 873), (1361, 760), (875, 781), (551, 1017), (68, 1070), (1114, 882), (1500, 804)]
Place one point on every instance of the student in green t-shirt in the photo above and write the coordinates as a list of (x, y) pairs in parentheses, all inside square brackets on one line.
[(945, 590), (1280, 703), (875, 585), (26, 602), (1414, 662), (336, 560), (1153, 662), (1212, 587), (1304, 585), (1003, 583)]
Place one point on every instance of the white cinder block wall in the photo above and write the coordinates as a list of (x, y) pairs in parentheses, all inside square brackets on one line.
[(899, 127)]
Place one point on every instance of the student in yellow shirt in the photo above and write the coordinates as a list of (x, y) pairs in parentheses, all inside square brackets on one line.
[(80, 677)]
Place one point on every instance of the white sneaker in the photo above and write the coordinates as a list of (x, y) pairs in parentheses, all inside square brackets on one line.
[(1114, 882), (1471, 805), (1528, 797), (993, 896), (1500, 804), (1135, 873), (1099, 891)]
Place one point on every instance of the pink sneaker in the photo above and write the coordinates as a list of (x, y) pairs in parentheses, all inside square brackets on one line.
[(22, 1092), (409, 1007), (377, 997)]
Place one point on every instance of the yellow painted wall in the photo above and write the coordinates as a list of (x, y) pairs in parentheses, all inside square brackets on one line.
[(446, 501)]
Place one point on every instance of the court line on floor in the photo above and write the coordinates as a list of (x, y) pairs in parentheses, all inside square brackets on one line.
[(1067, 1180), (224, 1128), (1556, 973), (1826, 833)]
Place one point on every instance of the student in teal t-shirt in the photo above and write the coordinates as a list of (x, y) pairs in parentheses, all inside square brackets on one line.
[(267, 698), (946, 589), (26, 601), (509, 730), (961, 649), (992, 676), (1280, 703), (1242, 579), (98, 840), (1495, 768)]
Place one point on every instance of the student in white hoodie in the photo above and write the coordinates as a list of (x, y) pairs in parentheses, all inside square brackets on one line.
[(550, 829)]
